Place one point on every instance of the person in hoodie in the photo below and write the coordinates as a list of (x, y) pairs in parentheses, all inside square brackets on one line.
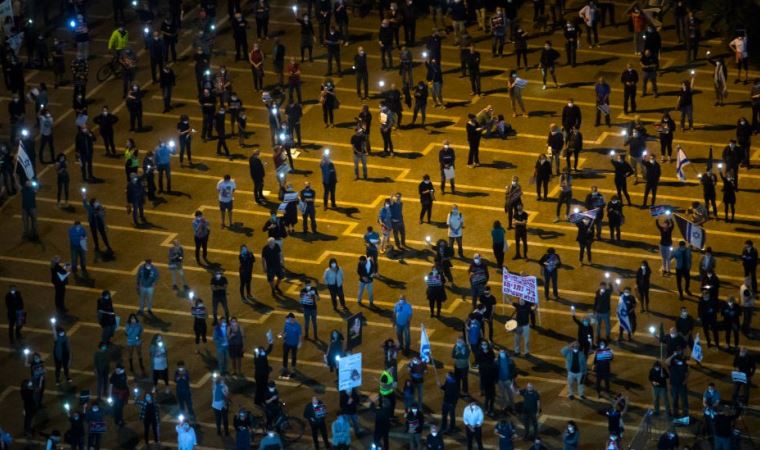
[(414, 423), (434, 440), (570, 437)]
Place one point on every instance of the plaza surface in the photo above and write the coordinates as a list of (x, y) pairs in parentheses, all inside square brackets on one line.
[(480, 197)]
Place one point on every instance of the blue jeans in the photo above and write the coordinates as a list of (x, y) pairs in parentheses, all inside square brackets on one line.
[(403, 336), (722, 443), (602, 317), (309, 315), (370, 292), (77, 253), (687, 112), (185, 403)]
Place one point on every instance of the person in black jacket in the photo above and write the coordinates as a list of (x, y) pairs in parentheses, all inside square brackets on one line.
[(14, 305), (219, 120), (385, 39), (167, 82), (434, 440), (615, 217), (105, 122), (474, 133), (547, 63), (571, 42), (256, 167), (729, 192), (709, 180), (427, 196), (585, 237), (446, 159), (643, 274), (245, 270), (134, 105), (652, 176), (420, 101), (473, 69), (571, 117), (574, 147), (157, 54), (622, 171), (542, 173), (136, 199), (362, 73), (315, 412), (629, 78), (85, 143), (585, 333), (665, 130), (450, 390)]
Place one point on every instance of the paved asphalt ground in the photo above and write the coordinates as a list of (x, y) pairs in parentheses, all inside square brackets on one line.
[(480, 197)]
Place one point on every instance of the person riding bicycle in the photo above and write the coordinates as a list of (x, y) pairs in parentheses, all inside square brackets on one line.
[(272, 405), (118, 41)]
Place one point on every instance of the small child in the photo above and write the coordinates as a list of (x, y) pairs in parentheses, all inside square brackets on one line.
[(242, 135)]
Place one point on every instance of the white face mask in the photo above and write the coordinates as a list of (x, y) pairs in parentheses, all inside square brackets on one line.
[(476, 260)]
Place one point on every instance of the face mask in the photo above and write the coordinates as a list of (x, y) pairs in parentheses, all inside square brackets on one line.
[(570, 429), (585, 323), (570, 104), (414, 411), (476, 260), (434, 433), (217, 276), (61, 334), (13, 291), (333, 265), (602, 346), (514, 183), (95, 409), (601, 291), (673, 335), (148, 266)]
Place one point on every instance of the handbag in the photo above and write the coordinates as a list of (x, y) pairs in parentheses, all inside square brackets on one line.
[(448, 173)]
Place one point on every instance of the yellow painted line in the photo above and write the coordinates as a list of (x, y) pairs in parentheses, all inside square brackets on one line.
[(11, 280), (90, 267)]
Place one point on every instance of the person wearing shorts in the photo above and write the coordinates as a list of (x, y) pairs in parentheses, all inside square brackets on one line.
[(226, 189)]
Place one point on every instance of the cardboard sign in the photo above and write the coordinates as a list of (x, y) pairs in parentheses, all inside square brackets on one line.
[(350, 372), (525, 288)]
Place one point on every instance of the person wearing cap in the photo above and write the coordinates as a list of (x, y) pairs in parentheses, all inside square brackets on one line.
[(147, 277)]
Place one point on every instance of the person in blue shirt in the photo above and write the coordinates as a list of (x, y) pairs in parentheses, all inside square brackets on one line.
[(291, 342), (78, 245), (682, 255), (184, 393), (147, 277), (402, 318), (162, 157), (506, 431), (603, 91)]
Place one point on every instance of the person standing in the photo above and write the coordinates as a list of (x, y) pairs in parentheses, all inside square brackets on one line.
[(693, 36), (682, 255), (602, 309), (522, 313), (105, 122), (513, 198), (455, 223), (603, 366), (59, 276), (531, 409), (85, 144), (686, 104), (542, 173), (572, 43), (731, 313), (472, 418), (436, 291), (474, 134), (629, 78), (473, 69), (14, 305), (478, 277), (256, 168), (602, 90), (291, 342), (333, 278), (521, 231), (749, 263), (649, 63), (245, 272), (550, 263), (272, 260), (652, 176), (427, 196), (309, 297), (78, 247), (547, 63), (575, 363), (679, 371), (402, 318), (499, 244), (329, 180), (333, 40), (147, 277), (220, 403), (590, 16)]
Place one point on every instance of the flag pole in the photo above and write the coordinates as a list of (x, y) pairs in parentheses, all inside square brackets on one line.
[(432, 360)]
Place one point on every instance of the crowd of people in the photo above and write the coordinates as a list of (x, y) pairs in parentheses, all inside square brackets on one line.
[(590, 356)]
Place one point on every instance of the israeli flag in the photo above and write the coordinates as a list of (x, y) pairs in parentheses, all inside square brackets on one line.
[(622, 313), (425, 354), (696, 350), (681, 162), (23, 160)]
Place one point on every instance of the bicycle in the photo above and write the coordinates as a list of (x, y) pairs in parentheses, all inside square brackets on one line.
[(110, 68), (290, 428)]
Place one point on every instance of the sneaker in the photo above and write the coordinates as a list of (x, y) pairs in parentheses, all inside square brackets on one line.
[(544, 88)]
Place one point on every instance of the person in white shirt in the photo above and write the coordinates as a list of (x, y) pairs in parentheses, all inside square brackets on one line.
[(186, 437), (473, 421), (226, 189), (739, 47), (455, 221), (590, 16)]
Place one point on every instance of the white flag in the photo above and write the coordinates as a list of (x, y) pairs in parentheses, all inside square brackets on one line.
[(23, 160), (425, 355), (696, 350)]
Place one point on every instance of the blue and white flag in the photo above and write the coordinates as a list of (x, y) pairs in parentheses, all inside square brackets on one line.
[(693, 234), (22, 159), (660, 210), (425, 354), (578, 216), (622, 313), (681, 162), (696, 349)]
